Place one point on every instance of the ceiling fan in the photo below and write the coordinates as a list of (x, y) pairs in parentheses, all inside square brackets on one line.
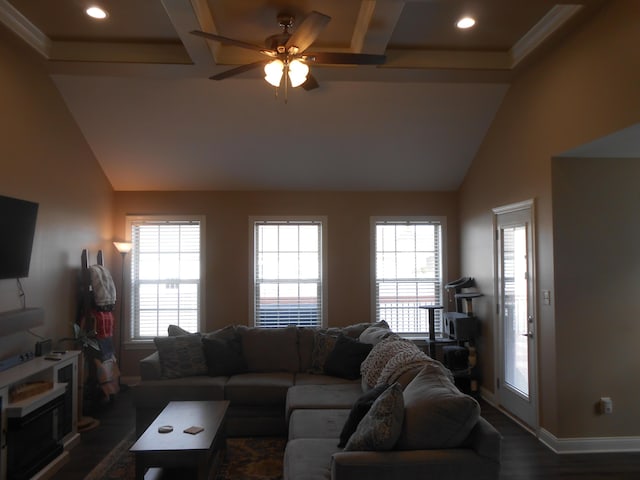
[(286, 54)]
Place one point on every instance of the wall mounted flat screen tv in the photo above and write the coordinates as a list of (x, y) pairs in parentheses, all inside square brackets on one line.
[(17, 228)]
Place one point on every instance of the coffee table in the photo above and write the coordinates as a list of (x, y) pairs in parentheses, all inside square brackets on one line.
[(183, 450)]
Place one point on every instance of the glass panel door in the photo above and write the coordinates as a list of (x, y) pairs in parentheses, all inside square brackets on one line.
[(515, 293)]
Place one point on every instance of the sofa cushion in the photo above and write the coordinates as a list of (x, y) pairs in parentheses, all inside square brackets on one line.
[(345, 358), (223, 357), (358, 411), (437, 414), (150, 368), (381, 426), (181, 356), (309, 458), (157, 393), (320, 379), (270, 349), (322, 396), (258, 388), (325, 423)]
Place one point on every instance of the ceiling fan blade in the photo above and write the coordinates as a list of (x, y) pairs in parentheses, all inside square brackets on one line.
[(311, 83), (231, 41), (308, 31), (238, 70), (338, 58)]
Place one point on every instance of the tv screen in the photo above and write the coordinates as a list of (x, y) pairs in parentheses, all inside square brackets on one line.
[(17, 228)]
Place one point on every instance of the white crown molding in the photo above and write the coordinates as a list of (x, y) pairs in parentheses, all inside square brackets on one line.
[(552, 21), (26, 30)]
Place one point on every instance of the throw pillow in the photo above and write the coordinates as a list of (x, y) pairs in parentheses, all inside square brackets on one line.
[(175, 330), (345, 358), (376, 333), (322, 347), (380, 355), (381, 426), (225, 333), (358, 411), (223, 356), (437, 414), (181, 356), (355, 330)]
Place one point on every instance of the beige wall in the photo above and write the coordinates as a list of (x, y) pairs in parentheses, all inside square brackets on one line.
[(596, 233), (586, 89), (228, 241), (44, 158)]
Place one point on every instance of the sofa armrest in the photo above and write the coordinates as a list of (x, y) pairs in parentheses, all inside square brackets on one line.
[(452, 463), (150, 367), (485, 440)]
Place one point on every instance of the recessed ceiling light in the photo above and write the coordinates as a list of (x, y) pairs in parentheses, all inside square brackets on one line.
[(96, 12), (466, 22)]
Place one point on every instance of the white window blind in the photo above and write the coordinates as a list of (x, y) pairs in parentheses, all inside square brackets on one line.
[(165, 276), (408, 273), (288, 269)]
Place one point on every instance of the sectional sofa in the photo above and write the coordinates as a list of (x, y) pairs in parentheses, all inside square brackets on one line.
[(354, 402)]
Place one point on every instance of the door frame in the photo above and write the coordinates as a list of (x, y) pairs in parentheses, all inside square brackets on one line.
[(534, 422)]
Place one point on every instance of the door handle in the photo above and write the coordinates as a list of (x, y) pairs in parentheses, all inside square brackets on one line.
[(529, 334)]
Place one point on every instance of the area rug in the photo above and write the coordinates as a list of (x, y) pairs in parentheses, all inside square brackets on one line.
[(246, 459)]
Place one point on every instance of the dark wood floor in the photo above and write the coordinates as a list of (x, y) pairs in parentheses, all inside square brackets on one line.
[(523, 456), (117, 419)]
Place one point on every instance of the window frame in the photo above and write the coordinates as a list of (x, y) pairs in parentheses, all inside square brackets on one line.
[(293, 219), (130, 221), (404, 219)]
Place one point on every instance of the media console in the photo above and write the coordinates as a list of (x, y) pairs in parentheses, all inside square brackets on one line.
[(37, 431)]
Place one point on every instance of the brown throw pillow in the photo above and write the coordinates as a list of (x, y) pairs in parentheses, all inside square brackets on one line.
[(358, 411), (380, 427), (181, 356), (345, 358), (223, 356)]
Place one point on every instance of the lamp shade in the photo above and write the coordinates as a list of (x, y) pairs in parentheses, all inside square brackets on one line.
[(273, 72), (123, 247), (298, 72)]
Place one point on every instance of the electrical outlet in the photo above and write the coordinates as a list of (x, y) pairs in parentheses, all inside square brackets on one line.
[(606, 405)]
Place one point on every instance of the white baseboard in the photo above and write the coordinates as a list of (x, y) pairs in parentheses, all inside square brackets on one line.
[(488, 397), (589, 444), (573, 445)]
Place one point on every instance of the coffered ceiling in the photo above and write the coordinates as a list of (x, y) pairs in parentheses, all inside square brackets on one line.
[(137, 85)]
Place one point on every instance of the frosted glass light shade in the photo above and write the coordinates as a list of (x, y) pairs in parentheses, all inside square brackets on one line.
[(123, 247), (273, 72), (298, 72)]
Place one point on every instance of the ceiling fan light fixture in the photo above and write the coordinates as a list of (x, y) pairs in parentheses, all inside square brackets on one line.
[(273, 72), (298, 72)]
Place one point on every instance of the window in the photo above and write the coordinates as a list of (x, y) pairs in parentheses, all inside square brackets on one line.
[(288, 287), (166, 284), (408, 269)]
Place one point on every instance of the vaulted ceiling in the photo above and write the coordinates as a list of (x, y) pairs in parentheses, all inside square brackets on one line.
[(138, 85)]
